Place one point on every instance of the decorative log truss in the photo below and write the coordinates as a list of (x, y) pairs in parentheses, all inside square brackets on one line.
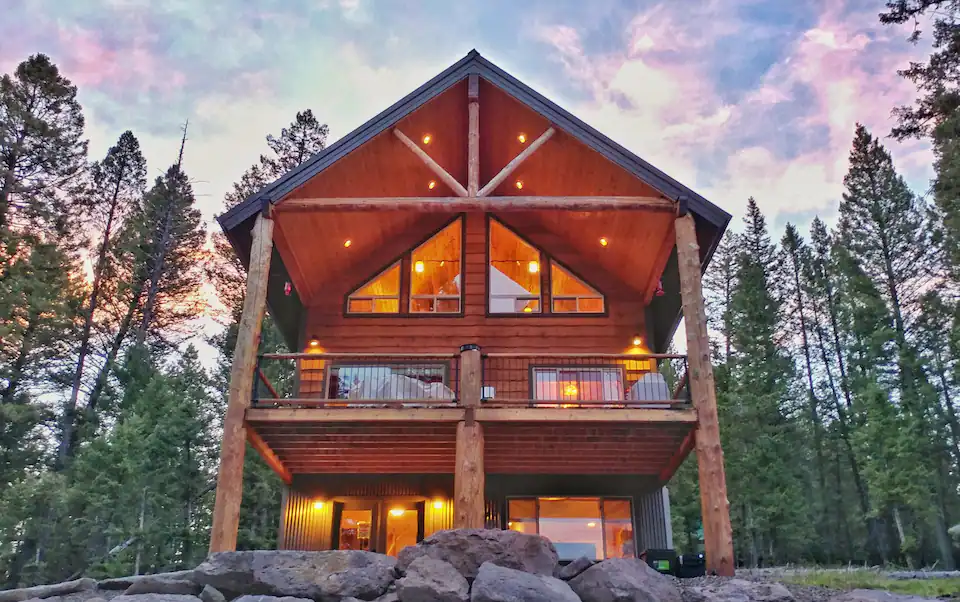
[(469, 451)]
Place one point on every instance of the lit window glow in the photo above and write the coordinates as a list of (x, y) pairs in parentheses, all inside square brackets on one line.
[(572, 295), (435, 279)]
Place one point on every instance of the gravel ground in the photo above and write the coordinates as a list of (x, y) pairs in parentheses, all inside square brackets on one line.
[(803, 593)]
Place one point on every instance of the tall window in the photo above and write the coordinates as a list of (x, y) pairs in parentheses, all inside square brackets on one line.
[(379, 296), (572, 384), (514, 273), (569, 294), (435, 272), (598, 528)]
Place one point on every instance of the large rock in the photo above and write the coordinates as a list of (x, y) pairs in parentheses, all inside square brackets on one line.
[(500, 584), (271, 599), (467, 549), (163, 586), (738, 590), (211, 594), (876, 595), (321, 576), (47, 591), (125, 582), (160, 598), (574, 568), (624, 580), (432, 580)]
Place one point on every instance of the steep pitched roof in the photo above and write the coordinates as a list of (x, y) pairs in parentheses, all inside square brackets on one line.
[(473, 63)]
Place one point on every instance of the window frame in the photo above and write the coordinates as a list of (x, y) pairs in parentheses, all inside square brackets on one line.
[(408, 256), (444, 366), (579, 368), (578, 278), (505, 524), (373, 298), (544, 278)]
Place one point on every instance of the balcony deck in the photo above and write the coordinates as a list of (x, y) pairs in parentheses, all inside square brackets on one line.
[(534, 422)]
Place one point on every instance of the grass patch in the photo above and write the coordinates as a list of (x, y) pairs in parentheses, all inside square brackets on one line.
[(845, 580)]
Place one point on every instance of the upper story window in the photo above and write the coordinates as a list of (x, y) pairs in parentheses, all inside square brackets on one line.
[(578, 383), (378, 296), (515, 265), (569, 294), (435, 272)]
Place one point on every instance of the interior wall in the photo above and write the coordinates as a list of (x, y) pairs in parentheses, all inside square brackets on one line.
[(610, 333)]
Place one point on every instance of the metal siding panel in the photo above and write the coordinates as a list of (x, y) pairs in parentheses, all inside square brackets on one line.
[(651, 521)]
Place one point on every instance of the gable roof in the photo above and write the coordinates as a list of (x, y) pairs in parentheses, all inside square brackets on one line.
[(471, 64)]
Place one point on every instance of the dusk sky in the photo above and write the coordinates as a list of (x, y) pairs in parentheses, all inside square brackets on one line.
[(731, 97)]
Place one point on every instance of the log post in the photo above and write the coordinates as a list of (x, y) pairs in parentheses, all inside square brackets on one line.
[(226, 509), (473, 136), (468, 479), (714, 506)]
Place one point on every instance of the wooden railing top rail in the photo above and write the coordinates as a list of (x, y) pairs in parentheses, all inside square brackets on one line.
[(324, 355), (624, 356)]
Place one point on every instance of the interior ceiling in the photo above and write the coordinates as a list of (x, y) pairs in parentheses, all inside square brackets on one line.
[(312, 242)]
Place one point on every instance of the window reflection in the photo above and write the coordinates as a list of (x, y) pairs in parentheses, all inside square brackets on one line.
[(597, 528)]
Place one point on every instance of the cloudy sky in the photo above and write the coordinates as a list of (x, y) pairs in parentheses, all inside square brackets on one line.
[(732, 97)]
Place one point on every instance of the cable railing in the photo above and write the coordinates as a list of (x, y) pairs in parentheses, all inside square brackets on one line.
[(571, 380), (331, 380)]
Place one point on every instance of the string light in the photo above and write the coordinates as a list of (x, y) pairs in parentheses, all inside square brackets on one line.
[(533, 267)]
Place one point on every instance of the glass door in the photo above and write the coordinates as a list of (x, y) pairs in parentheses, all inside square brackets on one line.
[(404, 526), (355, 526)]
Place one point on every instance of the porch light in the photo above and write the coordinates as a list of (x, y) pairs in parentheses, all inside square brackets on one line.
[(432, 184), (314, 342), (427, 138), (347, 243), (397, 511), (522, 138), (318, 505), (438, 505), (519, 184), (533, 267), (637, 340), (418, 267), (603, 241)]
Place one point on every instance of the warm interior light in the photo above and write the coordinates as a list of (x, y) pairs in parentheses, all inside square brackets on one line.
[(637, 340), (570, 390), (347, 243), (432, 184), (397, 512), (591, 525), (533, 267), (318, 505), (427, 138), (604, 242), (527, 310), (519, 184), (522, 138), (438, 505), (418, 267)]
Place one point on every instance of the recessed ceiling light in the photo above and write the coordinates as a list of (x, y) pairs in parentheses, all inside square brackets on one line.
[(604, 242), (432, 184), (522, 138), (427, 138), (519, 184), (347, 243)]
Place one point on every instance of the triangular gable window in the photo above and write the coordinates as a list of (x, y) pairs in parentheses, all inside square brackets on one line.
[(569, 294), (435, 272), (378, 296), (514, 284)]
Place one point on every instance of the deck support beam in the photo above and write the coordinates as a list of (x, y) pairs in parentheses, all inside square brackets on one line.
[(715, 508), (226, 509), (468, 479)]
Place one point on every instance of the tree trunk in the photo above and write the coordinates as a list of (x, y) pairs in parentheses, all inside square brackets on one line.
[(16, 372), (7, 190), (156, 273)]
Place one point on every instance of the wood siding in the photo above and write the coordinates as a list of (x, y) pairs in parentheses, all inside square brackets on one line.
[(611, 333)]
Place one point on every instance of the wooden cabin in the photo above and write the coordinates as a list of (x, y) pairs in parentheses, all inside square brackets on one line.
[(478, 291)]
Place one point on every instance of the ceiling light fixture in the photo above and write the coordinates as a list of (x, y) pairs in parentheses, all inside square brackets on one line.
[(438, 505), (318, 505), (533, 267), (637, 340), (397, 512)]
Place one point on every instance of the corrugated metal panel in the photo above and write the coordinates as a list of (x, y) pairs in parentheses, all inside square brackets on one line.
[(652, 519), (492, 515), (383, 488), (437, 519), (305, 527)]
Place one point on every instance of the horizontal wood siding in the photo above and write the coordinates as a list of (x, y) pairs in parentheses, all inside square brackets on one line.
[(612, 333)]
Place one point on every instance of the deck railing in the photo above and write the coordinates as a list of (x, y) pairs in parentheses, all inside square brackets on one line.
[(564, 380), (584, 380), (356, 379)]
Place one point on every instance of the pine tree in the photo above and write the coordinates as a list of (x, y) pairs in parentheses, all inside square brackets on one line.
[(41, 150)]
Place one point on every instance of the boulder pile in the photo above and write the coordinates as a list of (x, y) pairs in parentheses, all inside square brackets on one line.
[(466, 565)]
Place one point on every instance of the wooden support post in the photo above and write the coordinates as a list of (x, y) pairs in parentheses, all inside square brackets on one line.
[(226, 509), (435, 167), (714, 506), (515, 163), (468, 479), (473, 136)]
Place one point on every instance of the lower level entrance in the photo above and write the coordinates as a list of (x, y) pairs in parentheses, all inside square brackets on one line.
[(377, 525)]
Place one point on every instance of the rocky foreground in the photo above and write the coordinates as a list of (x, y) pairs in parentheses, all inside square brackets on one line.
[(470, 565)]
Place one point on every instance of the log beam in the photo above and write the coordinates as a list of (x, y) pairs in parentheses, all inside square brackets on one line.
[(268, 455), (715, 508), (226, 509), (440, 172), (510, 167), (468, 478), (489, 203), (473, 135)]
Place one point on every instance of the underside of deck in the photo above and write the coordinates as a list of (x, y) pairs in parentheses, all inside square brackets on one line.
[(516, 440)]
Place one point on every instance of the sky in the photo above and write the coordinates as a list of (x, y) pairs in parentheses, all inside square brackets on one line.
[(734, 98)]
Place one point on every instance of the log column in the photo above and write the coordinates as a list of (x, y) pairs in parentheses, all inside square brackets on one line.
[(715, 508), (468, 479), (226, 510), (473, 135)]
